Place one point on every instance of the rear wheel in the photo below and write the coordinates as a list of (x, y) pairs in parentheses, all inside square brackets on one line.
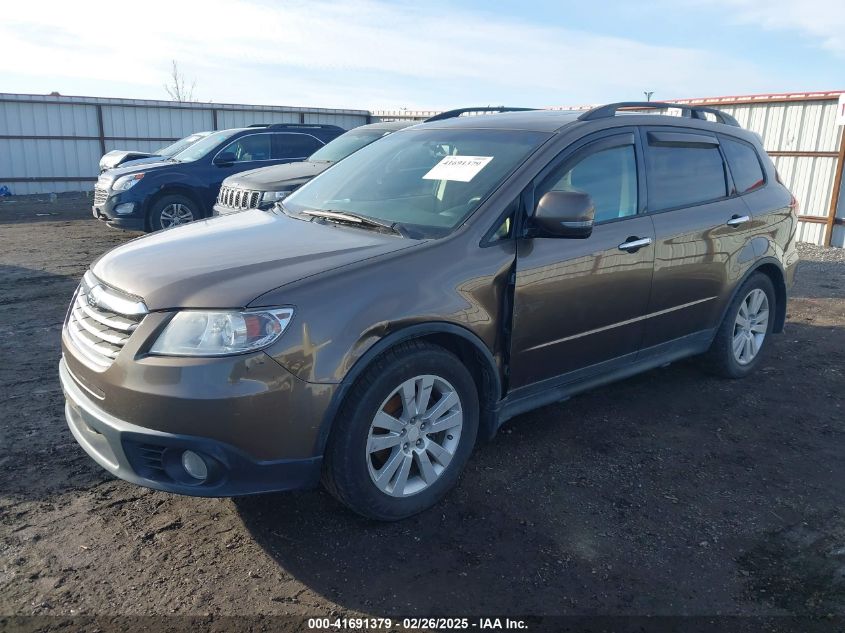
[(172, 210), (404, 433), (745, 331)]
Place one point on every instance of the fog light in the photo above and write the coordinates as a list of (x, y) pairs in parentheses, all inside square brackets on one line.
[(125, 209), (194, 465)]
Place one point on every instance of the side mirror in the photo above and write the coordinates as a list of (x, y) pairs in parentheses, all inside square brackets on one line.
[(563, 214), (225, 158)]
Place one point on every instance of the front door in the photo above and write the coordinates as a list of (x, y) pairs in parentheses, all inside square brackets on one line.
[(579, 304)]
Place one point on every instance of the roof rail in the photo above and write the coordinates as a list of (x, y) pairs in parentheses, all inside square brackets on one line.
[(451, 114), (694, 112), (278, 126)]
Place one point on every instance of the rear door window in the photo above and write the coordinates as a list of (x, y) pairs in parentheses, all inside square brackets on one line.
[(745, 165), (294, 145), (683, 170)]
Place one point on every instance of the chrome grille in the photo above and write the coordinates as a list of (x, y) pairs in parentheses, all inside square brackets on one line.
[(100, 196), (237, 198), (101, 320)]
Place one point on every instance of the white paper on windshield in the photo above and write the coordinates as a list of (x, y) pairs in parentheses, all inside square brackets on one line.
[(460, 168)]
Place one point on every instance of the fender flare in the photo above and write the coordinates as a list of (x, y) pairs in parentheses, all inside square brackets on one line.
[(394, 338)]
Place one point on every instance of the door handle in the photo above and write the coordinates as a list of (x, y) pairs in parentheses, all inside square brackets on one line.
[(736, 220), (633, 244)]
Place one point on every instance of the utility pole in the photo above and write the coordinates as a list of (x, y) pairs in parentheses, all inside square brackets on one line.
[(648, 94)]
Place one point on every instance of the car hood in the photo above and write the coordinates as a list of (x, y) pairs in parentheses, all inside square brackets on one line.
[(118, 156), (158, 164), (276, 177), (135, 162), (229, 261)]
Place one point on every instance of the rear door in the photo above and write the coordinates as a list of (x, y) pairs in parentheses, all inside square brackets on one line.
[(579, 303), (700, 227)]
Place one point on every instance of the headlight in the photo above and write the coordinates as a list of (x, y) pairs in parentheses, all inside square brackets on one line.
[(274, 196), (220, 333), (126, 182)]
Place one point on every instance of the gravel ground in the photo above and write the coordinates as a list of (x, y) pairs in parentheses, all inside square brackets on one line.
[(672, 493)]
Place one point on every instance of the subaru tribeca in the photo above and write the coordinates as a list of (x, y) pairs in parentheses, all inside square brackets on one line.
[(401, 306)]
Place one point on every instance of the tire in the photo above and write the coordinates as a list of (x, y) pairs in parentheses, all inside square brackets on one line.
[(722, 358), (166, 210), (352, 464)]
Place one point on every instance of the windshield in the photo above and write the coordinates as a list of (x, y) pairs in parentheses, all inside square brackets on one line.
[(203, 147), (427, 181), (345, 144), (178, 146)]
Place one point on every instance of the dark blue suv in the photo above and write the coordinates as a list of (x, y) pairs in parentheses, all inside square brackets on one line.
[(183, 188)]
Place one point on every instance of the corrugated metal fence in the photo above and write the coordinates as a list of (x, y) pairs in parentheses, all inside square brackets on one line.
[(54, 143)]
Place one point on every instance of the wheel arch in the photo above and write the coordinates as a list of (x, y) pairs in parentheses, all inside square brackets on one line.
[(470, 349), (173, 189), (772, 268)]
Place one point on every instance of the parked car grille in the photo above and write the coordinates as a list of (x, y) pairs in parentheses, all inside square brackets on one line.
[(101, 320), (100, 196), (237, 198)]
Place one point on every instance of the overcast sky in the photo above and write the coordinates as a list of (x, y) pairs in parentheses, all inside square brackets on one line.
[(423, 54)]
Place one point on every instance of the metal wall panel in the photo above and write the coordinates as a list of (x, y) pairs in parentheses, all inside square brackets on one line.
[(346, 121), (812, 232), (810, 179), (23, 158), (173, 123), (143, 146), (49, 119), (242, 118)]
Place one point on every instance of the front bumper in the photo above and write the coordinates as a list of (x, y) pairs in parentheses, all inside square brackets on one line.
[(152, 458), (105, 211), (220, 209)]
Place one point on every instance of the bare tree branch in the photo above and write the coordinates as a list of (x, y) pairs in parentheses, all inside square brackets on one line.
[(177, 87)]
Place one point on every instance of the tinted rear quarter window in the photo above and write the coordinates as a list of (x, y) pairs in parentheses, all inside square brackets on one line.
[(683, 174), (744, 164)]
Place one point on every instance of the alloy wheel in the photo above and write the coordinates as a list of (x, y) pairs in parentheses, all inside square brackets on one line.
[(174, 214), (414, 435), (751, 326)]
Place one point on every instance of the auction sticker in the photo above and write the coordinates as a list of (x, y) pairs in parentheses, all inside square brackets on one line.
[(460, 168)]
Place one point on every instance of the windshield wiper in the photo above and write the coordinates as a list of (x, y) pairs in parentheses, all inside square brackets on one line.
[(354, 218)]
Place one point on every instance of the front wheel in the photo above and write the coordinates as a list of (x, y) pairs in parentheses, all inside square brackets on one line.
[(745, 331), (404, 433), (172, 210)]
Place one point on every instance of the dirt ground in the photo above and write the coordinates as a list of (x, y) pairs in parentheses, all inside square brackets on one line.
[(672, 493)]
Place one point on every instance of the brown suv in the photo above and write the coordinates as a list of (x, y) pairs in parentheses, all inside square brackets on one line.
[(413, 297)]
